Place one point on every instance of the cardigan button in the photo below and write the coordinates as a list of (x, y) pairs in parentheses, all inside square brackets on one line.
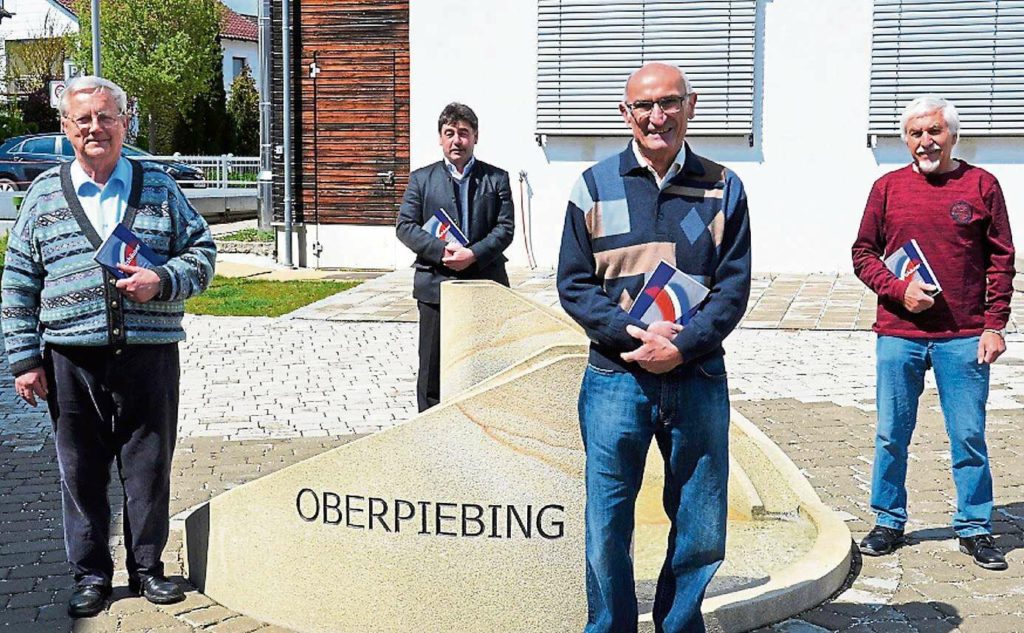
[(116, 331)]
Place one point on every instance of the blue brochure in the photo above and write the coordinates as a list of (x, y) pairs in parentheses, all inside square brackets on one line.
[(669, 295), (440, 225), (908, 262), (124, 247)]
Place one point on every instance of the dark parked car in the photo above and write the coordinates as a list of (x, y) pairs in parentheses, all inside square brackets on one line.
[(22, 158)]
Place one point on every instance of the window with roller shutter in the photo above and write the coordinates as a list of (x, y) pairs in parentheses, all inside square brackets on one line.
[(968, 51), (586, 50)]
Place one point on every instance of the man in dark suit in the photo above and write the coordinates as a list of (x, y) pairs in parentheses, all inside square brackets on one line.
[(478, 198)]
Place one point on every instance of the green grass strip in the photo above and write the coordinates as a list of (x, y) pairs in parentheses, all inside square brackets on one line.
[(257, 297), (247, 235)]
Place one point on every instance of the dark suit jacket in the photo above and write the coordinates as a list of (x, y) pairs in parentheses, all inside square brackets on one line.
[(491, 225)]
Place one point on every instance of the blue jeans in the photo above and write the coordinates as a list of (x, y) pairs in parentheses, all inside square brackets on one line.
[(963, 390), (687, 412)]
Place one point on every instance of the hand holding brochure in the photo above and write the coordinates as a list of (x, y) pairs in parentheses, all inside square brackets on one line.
[(668, 295), (124, 247), (440, 225), (908, 262)]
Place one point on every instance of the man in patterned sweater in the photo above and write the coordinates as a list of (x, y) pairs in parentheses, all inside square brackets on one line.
[(656, 200), (957, 214), (103, 351)]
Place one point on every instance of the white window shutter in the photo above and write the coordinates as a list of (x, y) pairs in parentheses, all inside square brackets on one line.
[(588, 48), (968, 51)]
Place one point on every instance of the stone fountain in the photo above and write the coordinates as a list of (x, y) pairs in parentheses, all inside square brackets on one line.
[(469, 517)]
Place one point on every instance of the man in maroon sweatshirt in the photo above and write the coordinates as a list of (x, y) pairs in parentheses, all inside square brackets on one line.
[(957, 214)]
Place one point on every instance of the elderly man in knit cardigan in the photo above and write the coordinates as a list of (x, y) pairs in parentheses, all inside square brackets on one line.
[(957, 214), (103, 351)]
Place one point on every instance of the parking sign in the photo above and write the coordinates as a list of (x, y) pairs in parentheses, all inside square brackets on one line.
[(71, 70)]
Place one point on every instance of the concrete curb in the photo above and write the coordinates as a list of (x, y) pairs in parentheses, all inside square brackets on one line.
[(265, 249)]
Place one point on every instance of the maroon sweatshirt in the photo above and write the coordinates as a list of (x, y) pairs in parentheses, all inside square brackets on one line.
[(959, 220)]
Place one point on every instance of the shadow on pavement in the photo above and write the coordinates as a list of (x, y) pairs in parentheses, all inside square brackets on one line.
[(930, 534), (1014, 513), (1006, 543)]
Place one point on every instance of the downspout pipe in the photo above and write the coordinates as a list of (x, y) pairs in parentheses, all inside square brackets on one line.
[(95, 19), (286, 51), (266, 178)]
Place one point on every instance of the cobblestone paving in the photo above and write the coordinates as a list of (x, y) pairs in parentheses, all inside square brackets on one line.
[(34, 579), (927, 585), (248, 378), (259, 394)]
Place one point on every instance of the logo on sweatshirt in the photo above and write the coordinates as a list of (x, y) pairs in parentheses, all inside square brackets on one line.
[(962, 212)]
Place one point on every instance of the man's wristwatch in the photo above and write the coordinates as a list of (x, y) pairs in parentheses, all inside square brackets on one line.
[(1001, 332)]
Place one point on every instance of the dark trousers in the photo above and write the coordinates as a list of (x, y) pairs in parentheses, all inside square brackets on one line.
[(428, 381), (112, 404)]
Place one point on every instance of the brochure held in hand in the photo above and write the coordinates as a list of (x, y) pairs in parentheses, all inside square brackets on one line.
[(440, 225), (124, 247), (909, 262), (669, 295)]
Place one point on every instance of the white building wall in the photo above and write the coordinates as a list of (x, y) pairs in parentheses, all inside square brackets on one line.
[(239, 48), (807, 176), (32, 18)]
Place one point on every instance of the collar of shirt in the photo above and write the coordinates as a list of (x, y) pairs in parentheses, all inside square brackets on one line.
[(454, 173), (105, 204), (674, 168)]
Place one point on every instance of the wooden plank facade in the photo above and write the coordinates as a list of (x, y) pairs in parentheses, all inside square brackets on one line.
[(351, 115)]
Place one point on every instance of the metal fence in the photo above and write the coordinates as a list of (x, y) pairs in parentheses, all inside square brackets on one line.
[(223, 172)]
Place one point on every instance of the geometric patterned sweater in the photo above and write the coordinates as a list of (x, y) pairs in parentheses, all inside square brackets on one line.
[(53, 291), (619, 225)]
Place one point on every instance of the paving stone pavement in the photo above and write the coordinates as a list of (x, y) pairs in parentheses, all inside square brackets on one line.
[(259, 394)]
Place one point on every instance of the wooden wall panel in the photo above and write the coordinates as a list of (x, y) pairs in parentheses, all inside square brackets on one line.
[(352, 119)]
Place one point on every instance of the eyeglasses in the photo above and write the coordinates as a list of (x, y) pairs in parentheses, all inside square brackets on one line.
[(102, 119), (668, 105)]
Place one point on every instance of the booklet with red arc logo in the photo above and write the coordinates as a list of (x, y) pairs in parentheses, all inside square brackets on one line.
[(908, 261), (669, 295), (124, 247), (440, 225)]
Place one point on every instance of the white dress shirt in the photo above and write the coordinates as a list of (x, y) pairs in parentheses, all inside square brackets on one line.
[(104, 204)]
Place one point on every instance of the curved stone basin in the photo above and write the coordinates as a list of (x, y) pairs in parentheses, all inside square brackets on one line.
[(469, 516)]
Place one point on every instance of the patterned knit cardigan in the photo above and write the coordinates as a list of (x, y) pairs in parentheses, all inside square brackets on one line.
[(54, 291)]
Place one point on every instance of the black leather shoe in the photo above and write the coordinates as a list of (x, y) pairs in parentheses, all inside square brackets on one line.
[(156, 589), (984, 551), (881, 541), (88, 600)]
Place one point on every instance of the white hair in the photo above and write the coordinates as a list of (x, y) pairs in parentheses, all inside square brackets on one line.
[(92, 83), (686, 80), (926, 104)]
